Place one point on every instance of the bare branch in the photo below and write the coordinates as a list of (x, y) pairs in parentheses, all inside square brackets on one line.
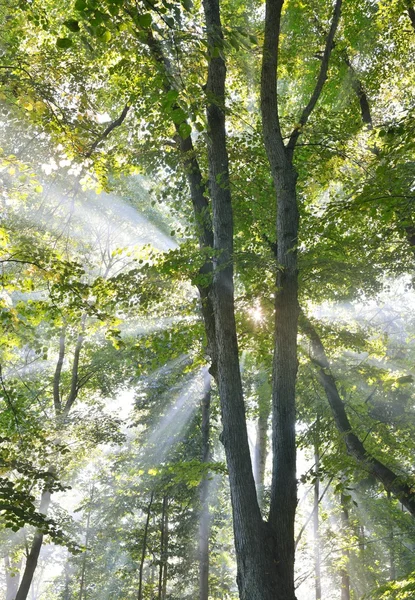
[(117, 123), (298, 538)]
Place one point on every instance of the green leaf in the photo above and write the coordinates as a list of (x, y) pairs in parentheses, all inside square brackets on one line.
[(185, 130), (106, 36), (178, 116), (64, 43), (145, 20), (72, 25)]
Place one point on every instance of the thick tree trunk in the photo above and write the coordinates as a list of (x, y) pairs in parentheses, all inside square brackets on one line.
[(33, 556), (392, 483), (204, 521), (254, 539)]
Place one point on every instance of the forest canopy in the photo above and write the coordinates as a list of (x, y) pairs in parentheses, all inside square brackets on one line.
[(207, 299)]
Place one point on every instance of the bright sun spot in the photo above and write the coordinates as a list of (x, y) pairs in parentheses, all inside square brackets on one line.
[(256, 314)]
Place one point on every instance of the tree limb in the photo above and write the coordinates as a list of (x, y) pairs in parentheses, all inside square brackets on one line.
[(401, 490), (320, 80), (117, 123)]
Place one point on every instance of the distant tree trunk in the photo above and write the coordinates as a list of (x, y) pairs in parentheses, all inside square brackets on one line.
[(87, 535), (143, 552), (317, 565), (33, 556), (166, 552), (163, 551), (345, 577), (66, 592), (12, 569), (260, 451), (392, 565), (204, 521)]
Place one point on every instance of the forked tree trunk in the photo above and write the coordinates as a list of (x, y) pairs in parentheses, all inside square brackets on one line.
[(280, 156), (254, 543)]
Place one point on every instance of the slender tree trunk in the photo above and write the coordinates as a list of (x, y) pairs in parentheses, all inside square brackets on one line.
[(33, 556), (163, 551), (345, 578), (260, 451), (204, 522), (317, 564), (143, 552), (166, 551), (392, 565), (87, 535), (12, 569)]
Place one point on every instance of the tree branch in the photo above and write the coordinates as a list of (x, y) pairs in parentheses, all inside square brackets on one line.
[(320, 80), (117, 123), (390, 480)]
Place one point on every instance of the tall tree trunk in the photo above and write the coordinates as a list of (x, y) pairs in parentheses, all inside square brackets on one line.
[(317, 563), (166, 552), (280, 156), (87, 536), (33, 556), (345, 577), (163, 551), (204, 521), (392, 565), (253, 538), (143, 552), (12, 569)]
